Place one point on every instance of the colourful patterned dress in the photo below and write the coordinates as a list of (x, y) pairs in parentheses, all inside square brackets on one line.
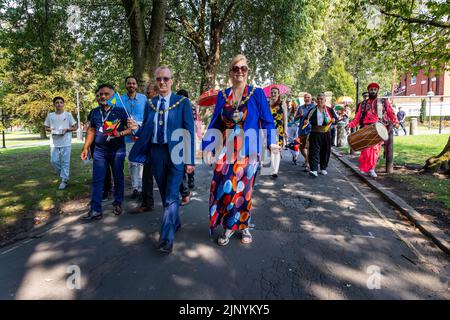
[(232, 183), (278, 118)]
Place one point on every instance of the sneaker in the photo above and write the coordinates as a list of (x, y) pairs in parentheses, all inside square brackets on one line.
[(92, 216), (323, 172), (313, 173), (372, 173), (63, 185)]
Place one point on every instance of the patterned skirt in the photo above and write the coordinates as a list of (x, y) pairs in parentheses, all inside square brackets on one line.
[(230, 201)]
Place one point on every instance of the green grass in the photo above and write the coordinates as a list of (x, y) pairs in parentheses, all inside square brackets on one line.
[(22, 138), (439, 189), (412, 149), (29, 183), (417, 149)]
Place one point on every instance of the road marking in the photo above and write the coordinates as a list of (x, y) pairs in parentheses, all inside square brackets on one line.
[(387, 222), (9, 250), (370, 236)]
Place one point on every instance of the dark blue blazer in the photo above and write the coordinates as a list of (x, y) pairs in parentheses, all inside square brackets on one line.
[(178, 118)]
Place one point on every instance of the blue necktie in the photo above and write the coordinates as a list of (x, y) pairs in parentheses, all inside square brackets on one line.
[(162, 107)]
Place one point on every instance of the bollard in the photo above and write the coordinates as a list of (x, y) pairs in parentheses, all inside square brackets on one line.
[(341, 134), (413, 126)]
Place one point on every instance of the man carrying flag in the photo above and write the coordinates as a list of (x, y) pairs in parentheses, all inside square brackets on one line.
[(107, 129), (320, 119)]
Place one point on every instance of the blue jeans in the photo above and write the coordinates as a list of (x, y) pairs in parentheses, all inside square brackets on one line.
[(60, 160), (102, 159)]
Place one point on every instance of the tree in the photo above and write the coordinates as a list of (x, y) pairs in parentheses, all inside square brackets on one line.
[(202, 24), (423, 110), (441, 162), (146, 43), (413, 34), (40, 65)]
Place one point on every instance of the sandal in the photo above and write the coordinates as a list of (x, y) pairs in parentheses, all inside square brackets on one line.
[(246, 236), (225, 238)]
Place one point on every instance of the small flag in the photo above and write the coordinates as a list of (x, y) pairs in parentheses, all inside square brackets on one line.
[(115, 101), (110, 127)]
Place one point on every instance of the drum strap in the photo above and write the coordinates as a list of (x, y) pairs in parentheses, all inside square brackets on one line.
[(381, 108)]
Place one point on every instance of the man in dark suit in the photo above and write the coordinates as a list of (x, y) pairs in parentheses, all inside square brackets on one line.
[(166, 138)]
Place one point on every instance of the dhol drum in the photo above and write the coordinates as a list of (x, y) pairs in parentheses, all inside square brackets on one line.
[(368, 136)]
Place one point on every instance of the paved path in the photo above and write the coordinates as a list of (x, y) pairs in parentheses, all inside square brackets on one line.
[(324, 238)]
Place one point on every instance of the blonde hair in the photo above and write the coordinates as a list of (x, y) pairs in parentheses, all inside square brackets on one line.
[(236, 59)]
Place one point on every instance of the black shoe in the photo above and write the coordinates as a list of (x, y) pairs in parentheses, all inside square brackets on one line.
[(117, 210), (274, 176), (135, 194), (92, 216), (165, 247)]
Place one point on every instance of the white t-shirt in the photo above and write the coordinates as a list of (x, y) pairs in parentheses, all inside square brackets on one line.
[(58, 122)]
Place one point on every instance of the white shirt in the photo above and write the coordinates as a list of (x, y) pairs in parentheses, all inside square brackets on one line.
[(166, 116), (320, 118), (58, 122)]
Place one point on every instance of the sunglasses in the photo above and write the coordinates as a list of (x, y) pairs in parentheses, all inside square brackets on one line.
[(236, 69), (165, 79)]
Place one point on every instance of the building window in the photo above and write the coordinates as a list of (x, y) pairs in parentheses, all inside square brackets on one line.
[(413, 80)]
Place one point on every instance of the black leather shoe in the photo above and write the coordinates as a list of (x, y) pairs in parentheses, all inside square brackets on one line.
[(165, 247)]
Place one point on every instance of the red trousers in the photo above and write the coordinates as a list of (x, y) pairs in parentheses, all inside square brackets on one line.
[(369, 157)]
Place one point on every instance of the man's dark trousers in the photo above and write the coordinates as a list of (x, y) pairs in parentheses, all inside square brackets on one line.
[(147, 186), (168, 178), (102, 159)]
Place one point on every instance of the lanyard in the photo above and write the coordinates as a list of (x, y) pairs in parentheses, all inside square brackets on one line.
[(107, 115)]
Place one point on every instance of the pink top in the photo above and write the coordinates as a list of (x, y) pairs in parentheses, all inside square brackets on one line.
[(371, 115)]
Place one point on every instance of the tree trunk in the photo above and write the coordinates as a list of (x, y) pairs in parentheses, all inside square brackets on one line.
[(136, 15), (42, 132), (441, 162), (155, 37), (194, 32), (145, 47)]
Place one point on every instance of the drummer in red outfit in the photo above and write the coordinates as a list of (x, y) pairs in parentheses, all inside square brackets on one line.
[(370, 111)]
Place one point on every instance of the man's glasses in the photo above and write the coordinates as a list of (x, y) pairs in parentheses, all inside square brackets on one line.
[(165, 79), (236, 69)]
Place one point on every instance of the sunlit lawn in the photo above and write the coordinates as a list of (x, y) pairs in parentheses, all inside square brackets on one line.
[(23, 138), (410, 150), (28, 182)]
